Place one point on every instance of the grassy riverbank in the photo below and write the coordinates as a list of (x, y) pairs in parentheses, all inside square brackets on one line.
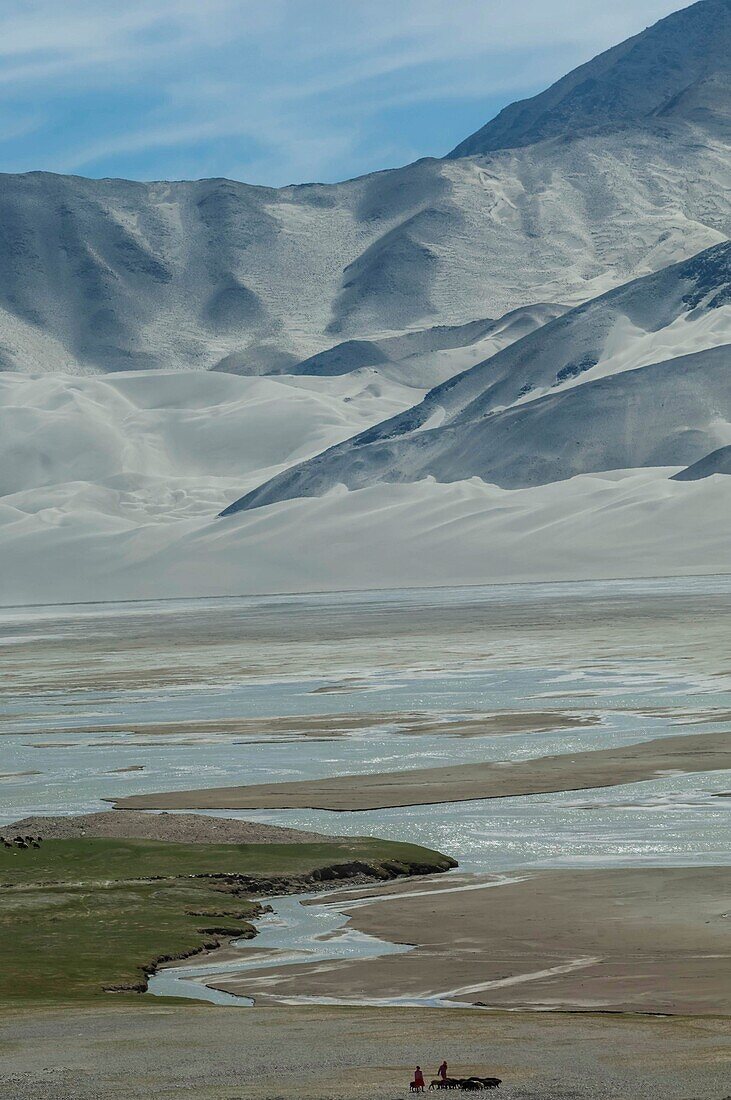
[(80, 917)]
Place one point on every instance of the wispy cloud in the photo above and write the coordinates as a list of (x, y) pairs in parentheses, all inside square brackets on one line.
[(277, 90)]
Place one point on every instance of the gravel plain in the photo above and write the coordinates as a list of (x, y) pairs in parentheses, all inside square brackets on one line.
[(130, 1052), (177, 828)]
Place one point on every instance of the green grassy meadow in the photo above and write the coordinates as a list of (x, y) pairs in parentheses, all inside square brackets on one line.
[(80, 917)]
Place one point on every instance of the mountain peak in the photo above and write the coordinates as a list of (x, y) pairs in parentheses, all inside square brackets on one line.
[(680, 67)]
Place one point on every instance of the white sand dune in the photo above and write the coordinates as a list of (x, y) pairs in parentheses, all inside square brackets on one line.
[(620, 524), (173, 426), (112, 485), (88, 466)]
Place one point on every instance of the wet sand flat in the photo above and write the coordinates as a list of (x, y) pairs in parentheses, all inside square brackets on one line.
[(683, 621), (134, 1052), (462, 782), (339, 725), (641, 940)]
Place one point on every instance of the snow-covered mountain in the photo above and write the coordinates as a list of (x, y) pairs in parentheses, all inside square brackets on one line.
[(560, 285)]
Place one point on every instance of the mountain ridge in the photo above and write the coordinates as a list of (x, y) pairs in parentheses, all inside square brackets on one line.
[(461, 427), (624, 85), (105, 275)]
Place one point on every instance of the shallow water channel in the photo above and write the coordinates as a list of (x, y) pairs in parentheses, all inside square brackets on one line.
[(295, 932), (298, 931)]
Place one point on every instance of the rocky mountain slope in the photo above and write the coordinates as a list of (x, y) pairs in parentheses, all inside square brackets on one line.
[(630, 173), (638, 377), (677, 70)]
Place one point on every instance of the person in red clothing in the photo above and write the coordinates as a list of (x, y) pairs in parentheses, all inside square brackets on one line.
[(418, 1080), (442, 1071)]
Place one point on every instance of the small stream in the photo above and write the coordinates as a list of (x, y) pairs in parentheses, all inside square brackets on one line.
[(310, 933), (292, 933)]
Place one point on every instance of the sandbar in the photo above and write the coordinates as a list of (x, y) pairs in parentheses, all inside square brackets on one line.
[(331, 726), (462, 782)]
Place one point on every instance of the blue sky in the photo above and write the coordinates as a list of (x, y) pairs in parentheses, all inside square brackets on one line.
[(277, 91)]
